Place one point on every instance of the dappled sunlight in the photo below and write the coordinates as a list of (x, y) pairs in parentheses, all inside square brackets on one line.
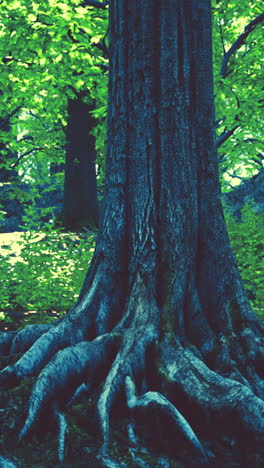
[(42, 270)]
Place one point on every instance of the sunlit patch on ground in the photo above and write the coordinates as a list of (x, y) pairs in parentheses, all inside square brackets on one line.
[(12, 243)]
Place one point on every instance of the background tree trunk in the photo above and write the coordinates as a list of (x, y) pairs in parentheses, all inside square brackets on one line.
[(80, 190)]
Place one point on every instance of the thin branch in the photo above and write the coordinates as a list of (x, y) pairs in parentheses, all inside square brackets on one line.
[(103, 67), (103, 47), (25, 138), (220, 121), (222, 38), (258, 162), (25, 154), (235, 176), (94, 3), (259, 159), (6, 120), (225, 135), (253, 140), (239, 42), (222, 158)]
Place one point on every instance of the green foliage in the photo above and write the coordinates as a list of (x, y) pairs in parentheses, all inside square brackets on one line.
[(238, 96), (49, 53), (247, 240), (46, 273)]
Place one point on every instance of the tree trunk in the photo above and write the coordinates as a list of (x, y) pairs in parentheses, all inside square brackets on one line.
[(162, 318), (7, 174), (80, 190)]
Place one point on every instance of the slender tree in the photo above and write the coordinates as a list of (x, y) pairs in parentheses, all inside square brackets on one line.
[(7, 174), (162, 319)]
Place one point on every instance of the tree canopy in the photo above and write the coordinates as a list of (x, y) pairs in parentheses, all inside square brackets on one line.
[(54, 50)]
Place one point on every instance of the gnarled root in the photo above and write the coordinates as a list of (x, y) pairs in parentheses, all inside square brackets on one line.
[(44, 341), (142, 324), (216, 398), (7, 463), (86, 361), (181, 386), (154, 406), (33, 360)]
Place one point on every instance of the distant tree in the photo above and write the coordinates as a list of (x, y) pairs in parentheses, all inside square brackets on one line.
[(80, 189), (51, 52), (7, 158), (162, 320)]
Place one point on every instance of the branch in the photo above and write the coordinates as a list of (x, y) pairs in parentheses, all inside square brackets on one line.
[(94, 3), (103, 47), (103, 67), (222, 158), (222, 38), (6, 120), (220, 121), (239, 42), (23, 155), (25, 138), (259, 159), (235, 176), (225, 135), (253, 140)]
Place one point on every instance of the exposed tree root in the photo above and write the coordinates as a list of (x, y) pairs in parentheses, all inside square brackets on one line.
[(26, 337), (67, 364), (155, 406), (6, 339), (62, 426), (7, 463), (44, 341), (37, 356), (86, 361), (215, 396), (143, 314)]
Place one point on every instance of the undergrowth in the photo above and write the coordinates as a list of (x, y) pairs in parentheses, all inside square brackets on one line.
[(247, 240), (44, 272), (47, 272)]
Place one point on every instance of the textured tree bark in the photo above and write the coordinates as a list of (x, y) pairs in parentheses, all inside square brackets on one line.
[(80, 190), (162, 318)]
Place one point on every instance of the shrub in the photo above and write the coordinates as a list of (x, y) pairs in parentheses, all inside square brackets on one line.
[(47, 273), (247, 240)]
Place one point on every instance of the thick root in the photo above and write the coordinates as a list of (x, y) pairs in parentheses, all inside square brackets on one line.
[(215, 396), (27, 337), (67, 363), (6, 339), (38, 355), (20, 341), (84, 362), (155, 406), (7, 463), (43, 341), (143, 314)]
